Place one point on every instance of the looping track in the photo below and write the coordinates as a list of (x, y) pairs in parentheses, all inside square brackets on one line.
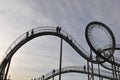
[(105, 53), (42, 31)]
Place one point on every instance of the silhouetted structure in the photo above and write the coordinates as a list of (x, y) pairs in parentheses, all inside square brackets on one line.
[(105, 55)]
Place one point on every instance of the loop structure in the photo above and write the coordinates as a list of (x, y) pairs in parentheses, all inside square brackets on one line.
[(107, 52)]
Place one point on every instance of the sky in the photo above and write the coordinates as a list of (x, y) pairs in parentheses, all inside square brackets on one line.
[(40, 55)]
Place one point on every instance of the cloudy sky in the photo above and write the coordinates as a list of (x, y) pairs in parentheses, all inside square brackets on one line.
[(41, 55)]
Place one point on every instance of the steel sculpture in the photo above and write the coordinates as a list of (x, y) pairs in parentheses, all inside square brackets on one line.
[(104, 55), (107, 52)]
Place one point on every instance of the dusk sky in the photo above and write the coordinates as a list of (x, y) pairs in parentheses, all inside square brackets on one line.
[(41, 55)]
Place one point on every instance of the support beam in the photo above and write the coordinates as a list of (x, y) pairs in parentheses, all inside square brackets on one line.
[(5, 77), (60, 65), (99, 71), (92, 75), (88, 70)]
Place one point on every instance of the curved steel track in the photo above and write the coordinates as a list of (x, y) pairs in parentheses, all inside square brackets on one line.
[(77, 69), (92, 43), (42, 31)]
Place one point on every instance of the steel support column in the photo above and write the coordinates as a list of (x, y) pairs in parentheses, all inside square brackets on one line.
[(60, 65), (92, 65), (88, 70), (6, 72), (99, 71)]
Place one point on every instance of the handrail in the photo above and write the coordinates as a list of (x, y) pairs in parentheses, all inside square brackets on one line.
[(78, 69), (44, 29)]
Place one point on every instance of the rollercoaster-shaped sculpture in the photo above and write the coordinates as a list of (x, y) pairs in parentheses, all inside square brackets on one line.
[(104, 55)]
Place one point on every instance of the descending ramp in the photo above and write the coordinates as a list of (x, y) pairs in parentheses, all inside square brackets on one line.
[(77, 69)]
